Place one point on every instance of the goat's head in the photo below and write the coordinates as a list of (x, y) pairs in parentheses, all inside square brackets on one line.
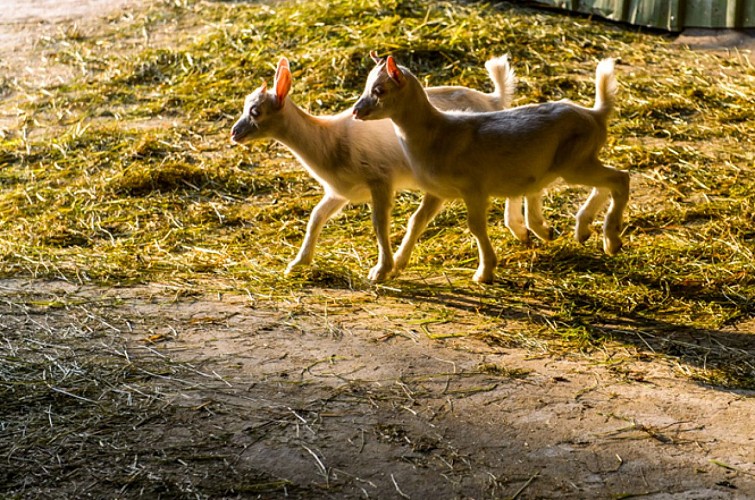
[(384, 83), (261, 107)]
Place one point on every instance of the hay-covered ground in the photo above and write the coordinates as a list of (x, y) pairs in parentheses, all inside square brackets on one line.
[(151, 345)]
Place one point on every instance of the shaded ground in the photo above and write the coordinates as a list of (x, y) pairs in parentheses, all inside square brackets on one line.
[(163, 391), (344, 402)]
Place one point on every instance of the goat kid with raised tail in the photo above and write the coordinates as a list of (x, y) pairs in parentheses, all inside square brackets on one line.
[(508, 153), (363, 161)]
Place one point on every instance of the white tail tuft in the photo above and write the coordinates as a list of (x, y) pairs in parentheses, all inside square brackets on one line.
[(605, 87), (504, 79)]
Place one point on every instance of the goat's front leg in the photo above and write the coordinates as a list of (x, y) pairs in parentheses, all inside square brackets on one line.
[(514, 219), (426, 212), (329, 205), (477, 220), (535, 220), (382, 204)]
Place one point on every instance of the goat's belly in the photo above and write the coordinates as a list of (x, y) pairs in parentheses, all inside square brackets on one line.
[(356, 194), (406, 181), (517, 185), (443, 186), (460, 185)]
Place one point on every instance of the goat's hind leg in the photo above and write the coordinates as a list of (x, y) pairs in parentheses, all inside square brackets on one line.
[(587, 213), (426, 212), (613, 221), (535, 221), (605, 181), (514, 219), (325, 209)]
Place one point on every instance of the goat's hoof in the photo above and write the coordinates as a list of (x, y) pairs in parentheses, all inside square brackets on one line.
[(483, 276), (379, 273), (524, 237), (296, 264), (399, 263), (519, 231), (612, 247), (290, 269), (545, 233), (582, 233)]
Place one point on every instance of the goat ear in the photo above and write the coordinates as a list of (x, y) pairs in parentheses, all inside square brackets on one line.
[(375, 57), (394, 72), (282, 81)]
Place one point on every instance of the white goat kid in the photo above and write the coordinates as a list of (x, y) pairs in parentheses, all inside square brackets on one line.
[(509, 153), (363, 161)]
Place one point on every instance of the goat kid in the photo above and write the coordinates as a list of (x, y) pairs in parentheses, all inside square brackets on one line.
[(363, 161), (508, 153)]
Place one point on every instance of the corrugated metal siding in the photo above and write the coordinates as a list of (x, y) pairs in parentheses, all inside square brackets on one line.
[(673, 15)]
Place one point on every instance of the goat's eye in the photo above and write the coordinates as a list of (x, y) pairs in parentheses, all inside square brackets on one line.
[(378, 91), (254, 112)]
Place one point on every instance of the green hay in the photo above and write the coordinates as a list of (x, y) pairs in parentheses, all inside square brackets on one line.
[(125, 174)]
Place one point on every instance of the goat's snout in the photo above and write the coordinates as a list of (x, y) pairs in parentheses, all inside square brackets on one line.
[(239, 130), (234, 132), (361, 109)]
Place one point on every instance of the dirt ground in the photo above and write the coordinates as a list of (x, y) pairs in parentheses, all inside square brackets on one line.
[(25, 24), (338, 402)]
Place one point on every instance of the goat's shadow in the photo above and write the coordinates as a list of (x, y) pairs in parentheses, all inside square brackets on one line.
[(726, 351)]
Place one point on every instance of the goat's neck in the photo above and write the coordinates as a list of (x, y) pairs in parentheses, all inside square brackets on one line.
[(415, 115), (310, 137)]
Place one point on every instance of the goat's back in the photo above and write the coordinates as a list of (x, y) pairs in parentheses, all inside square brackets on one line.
[(505, 153), (451, 98)]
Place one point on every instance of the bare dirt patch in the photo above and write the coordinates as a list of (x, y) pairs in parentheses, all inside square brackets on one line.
[(28, 30)]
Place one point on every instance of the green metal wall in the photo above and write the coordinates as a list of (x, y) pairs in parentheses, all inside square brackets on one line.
[(673, 15)]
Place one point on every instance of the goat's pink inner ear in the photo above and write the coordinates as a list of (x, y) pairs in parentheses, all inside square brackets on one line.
[(282, 64), (282, 82), (393, 71)]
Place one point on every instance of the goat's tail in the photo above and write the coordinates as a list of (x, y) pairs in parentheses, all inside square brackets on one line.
[(605, 88), (504, 79)]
